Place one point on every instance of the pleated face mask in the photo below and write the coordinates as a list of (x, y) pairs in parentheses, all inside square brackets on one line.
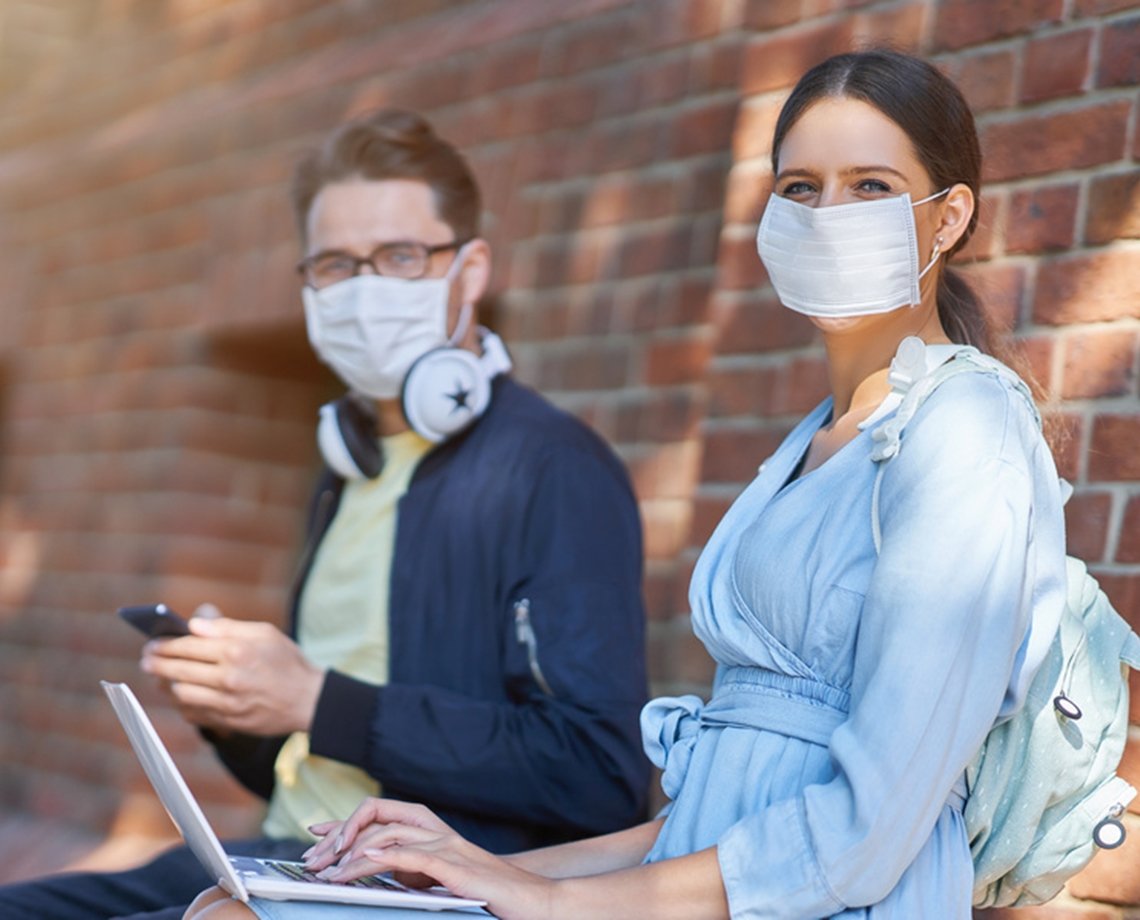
[(845, 260)]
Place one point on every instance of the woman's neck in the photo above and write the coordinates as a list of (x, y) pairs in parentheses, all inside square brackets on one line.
[(859, 357)]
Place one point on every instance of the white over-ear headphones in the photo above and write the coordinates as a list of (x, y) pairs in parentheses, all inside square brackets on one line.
[(448, 388), (444, 391)]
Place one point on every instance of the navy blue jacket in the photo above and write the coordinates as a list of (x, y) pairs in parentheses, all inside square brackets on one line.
[(517, 735)]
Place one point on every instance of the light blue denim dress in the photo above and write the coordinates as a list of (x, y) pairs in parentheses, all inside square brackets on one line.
[(853, 688)]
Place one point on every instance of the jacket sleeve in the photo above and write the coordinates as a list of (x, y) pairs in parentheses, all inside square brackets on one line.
[(249, 758), (967, 552), (571, 758)]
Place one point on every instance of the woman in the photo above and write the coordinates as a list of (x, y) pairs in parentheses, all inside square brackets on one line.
[(825, 776)]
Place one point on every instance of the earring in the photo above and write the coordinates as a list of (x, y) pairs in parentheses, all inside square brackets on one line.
[(937, 247)]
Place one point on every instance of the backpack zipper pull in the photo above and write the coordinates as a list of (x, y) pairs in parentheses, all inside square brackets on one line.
[(524, 633)]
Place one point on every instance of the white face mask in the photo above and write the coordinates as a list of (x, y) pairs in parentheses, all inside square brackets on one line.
[(844, 260), (370, 329)]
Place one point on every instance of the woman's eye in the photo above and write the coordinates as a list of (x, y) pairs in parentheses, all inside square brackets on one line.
[(793, 189), (875, 186)]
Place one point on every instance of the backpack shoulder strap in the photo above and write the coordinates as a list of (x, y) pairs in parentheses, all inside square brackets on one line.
[(910, 390)]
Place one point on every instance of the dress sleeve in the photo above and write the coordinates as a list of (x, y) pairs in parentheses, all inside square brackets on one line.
[(946, 610)]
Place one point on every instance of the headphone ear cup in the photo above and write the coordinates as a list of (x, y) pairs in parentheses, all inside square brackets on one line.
[(348, 439), (445, 391)]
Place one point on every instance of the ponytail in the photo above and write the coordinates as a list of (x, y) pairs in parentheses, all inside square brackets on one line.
[(961, 312), (967, 323)]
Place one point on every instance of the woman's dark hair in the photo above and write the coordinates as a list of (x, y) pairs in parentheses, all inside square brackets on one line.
[(931, 110), (392, 144)]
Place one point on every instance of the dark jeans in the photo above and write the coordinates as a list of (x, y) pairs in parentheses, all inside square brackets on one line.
[(159, 890)]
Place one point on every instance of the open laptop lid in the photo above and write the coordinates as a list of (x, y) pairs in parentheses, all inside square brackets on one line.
[(176, 797)]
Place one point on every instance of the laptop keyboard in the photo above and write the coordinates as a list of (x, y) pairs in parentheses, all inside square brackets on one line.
[(298, 873)]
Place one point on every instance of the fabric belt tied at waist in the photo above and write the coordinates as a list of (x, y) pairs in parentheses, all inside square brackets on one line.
[(744, 698), (768, 709)]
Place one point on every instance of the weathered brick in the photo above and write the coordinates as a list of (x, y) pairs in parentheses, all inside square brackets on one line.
[(759, 324), (700, 188), (993, 206), (1036, 352), (732, 455), (715, 66), (1099, 363), (1120, 54), (1038, 144), (662, 80), (899, 27), (665, 470), (1086, 525), (985, 77), (665, 414), (673, 22), (1000, 286), (666, 526), (1065, 433), (705, 128), (677, 360), (738, 264), (660, 593), (708, 509), (1124, 592), (777, 62), (1094, 287), (1057, 65), (627, 144), (1112, 213), (1113, 454), (692, 663), (748, 188), (793, 388), (660, 249), (755, 125), (1102, 7), (771, 14), (971, 22), (1128, 548)]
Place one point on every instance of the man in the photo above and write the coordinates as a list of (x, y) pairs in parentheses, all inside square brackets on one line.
[(467, 627)]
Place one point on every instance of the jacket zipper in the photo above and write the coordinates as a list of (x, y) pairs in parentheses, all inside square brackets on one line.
[(524, 632)]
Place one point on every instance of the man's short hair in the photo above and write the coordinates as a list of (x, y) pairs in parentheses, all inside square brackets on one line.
[(392, 144)]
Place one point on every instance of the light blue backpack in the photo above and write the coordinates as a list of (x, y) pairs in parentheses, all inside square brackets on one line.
[(1043, 790)]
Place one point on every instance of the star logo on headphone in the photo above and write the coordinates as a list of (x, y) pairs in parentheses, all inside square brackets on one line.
[(459, 397)]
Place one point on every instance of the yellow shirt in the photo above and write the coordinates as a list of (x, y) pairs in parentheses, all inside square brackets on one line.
[(344, 625)]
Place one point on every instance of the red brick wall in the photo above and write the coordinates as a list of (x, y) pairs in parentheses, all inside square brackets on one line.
[(158, 395)]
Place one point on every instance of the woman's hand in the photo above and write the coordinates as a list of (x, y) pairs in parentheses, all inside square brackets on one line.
[(420, 850), (342, 838)]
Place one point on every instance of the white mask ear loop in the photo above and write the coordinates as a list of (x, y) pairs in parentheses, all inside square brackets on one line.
[(462, 324), (933, 258), (938, 241), (467, 311)]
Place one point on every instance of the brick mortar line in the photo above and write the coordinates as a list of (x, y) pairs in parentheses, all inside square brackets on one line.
[(674, 167), (1074, 176), (1048, 108)]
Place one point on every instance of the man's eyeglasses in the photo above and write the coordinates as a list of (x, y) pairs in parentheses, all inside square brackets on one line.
[(395, 260)]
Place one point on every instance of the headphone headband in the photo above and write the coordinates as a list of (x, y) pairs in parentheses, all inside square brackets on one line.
[(445, 391)]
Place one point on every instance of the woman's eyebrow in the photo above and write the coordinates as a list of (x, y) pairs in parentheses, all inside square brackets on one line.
[(863, 170), (849, 171), (784, 174)]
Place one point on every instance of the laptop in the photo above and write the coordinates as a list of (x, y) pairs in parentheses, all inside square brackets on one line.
[(243, 876)]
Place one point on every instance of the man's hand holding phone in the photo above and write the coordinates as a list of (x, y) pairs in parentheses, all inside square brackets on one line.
[(233, 675)]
